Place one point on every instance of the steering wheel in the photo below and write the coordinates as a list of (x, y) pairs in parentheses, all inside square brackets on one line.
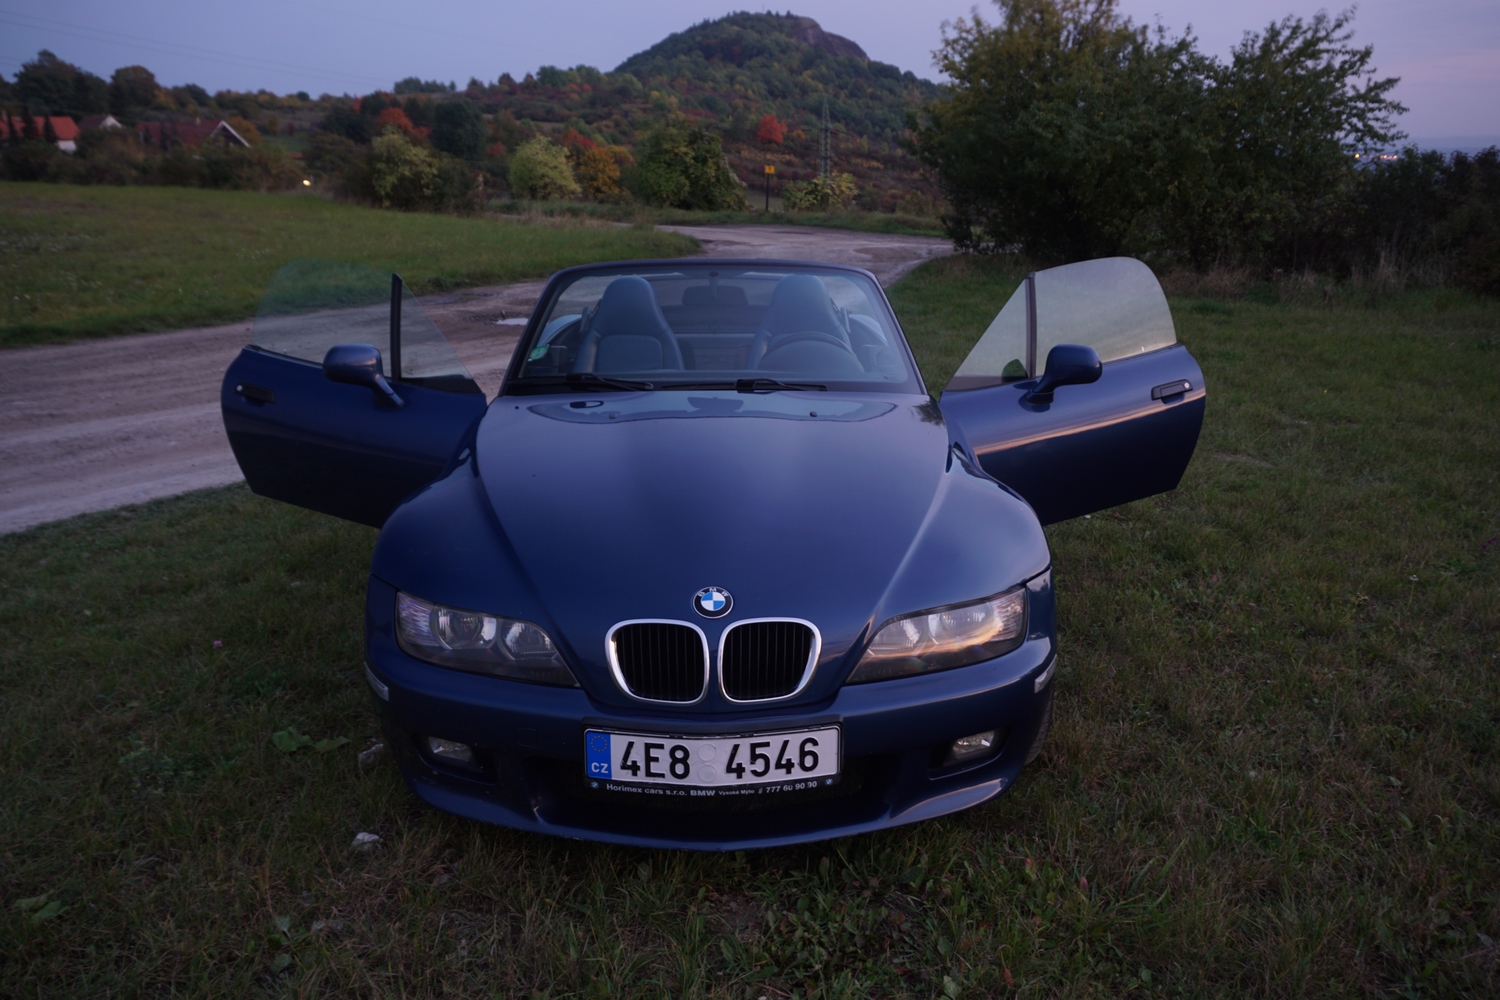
[(809, 336)]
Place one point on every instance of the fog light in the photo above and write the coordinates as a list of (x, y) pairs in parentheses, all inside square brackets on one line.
[(458, 753), (970, 747)]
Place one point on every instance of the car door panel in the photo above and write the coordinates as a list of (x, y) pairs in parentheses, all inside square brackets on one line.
[(344, 449), (334, 448), (1094, 446), (1126, 436)]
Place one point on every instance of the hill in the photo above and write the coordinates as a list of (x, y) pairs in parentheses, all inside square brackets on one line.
[(727, 74)]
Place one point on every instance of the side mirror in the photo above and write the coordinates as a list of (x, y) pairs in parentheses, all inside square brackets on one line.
[(359, 364), (1067, 364)]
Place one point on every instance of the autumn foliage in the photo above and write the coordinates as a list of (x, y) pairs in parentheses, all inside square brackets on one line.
[(770, 131)]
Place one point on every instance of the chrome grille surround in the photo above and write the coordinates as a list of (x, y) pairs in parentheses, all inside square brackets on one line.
[(803, 677), (638, 643)]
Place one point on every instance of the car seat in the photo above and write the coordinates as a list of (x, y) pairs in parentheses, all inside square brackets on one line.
[(800, 304), (626, 332)]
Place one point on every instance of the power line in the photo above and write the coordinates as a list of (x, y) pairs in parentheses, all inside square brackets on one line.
[(119, 38)]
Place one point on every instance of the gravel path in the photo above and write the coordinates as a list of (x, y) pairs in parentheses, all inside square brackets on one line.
[(98, 424)]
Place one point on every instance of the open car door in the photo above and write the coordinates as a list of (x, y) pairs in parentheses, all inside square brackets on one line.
[(358, 446), (1108, 432)]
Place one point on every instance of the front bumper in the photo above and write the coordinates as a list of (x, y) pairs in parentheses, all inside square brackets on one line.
[(529, 771)]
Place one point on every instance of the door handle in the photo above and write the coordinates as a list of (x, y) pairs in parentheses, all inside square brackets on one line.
[(1169, 389), (259, 393)]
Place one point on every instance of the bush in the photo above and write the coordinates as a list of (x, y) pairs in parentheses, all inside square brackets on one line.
[(539, 170), (820, 194), (400, 173), (34, 161), (1424, 206), (110, 156), (682, 165), (258, 168)]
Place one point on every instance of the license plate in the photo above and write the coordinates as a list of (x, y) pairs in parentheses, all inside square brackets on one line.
[(802, 759)]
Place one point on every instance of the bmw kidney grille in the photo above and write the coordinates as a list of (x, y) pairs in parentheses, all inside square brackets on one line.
[(765, 660), (660, 661)]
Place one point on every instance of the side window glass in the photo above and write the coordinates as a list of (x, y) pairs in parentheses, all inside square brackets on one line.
[(1114, 305), (1001, 354), (310, 305)]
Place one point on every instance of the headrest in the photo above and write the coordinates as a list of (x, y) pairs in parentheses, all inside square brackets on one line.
[(629, 305), (799, 303)]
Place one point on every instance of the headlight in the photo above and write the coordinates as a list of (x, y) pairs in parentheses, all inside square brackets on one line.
[(945, 638), (479, 643)]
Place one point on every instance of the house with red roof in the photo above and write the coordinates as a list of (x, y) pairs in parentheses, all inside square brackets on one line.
[(55, 128), (197, 132)]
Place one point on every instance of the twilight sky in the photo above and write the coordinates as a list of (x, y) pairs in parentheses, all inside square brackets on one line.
[(1447, 52)]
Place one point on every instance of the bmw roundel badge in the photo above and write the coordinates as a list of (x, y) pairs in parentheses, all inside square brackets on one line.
[(713, 602)]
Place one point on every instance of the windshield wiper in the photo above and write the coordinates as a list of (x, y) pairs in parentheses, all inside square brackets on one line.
[(749, 385), (589, 378), (771, 385)]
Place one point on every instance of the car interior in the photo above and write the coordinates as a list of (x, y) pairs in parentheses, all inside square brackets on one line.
[(772, 324)]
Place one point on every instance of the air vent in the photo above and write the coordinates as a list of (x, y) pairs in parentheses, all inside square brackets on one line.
[(768, 659), (660, 661)]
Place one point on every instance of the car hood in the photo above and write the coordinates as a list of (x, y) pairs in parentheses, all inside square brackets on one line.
[(829, 508)]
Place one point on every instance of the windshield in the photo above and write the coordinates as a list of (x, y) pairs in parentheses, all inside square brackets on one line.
[(747, 326)]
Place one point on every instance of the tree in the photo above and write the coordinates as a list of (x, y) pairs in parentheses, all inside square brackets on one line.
[(47, 85), (1072, 133), (402, 173), (133, 87), (458, 129), (539, 170), (1289, 114), (246, 128), (1057, 126), (349, 125), (683, 166), (598, 171), (769, 131), (394, 116)]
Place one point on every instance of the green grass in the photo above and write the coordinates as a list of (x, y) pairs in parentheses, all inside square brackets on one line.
[(97, 261), (1275, 769)]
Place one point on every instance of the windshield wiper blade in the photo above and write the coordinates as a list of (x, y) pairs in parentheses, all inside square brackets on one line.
[(589, 378), (771, 385)]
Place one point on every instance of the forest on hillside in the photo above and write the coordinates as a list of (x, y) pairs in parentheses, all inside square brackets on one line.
[(726, 76), (1066, 131)]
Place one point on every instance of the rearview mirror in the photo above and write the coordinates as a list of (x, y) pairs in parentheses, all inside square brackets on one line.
[(359, 364), (1067, 364)]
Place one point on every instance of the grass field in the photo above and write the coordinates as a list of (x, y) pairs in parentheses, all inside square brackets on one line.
[(95, 261), (1273, 771)]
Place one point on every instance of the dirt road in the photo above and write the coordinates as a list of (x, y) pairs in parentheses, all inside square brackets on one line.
[(99, 424)]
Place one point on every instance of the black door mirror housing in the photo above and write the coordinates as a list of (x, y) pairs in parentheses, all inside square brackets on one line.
[(1067, 364), (359, 364)]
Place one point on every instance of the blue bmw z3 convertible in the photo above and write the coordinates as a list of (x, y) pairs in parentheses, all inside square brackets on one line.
[(713, 570)]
